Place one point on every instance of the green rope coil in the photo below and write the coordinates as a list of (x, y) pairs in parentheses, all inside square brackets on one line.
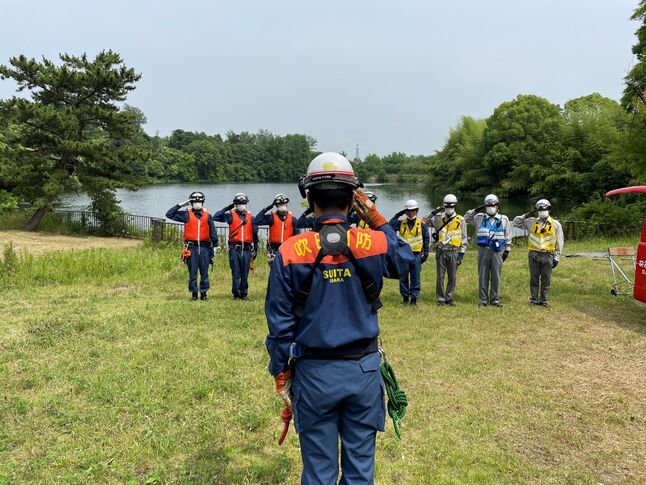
[(397, 400)]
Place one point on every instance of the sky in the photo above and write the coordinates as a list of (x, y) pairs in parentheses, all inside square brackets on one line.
[(384, 75)]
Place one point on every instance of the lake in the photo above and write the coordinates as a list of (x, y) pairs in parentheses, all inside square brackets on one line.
[(155, 200)]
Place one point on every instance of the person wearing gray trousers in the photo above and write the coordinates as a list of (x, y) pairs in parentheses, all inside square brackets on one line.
[(493, 236), (450, 234), (544, 251)]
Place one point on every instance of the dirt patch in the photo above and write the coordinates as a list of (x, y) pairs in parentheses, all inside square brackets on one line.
[(40, 242)]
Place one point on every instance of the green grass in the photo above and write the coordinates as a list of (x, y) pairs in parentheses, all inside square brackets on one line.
[(108, 374)]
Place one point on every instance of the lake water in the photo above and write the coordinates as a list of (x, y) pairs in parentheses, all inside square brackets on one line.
[(155, 200)]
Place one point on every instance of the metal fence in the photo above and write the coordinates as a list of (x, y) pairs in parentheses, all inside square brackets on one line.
[(139, 227)]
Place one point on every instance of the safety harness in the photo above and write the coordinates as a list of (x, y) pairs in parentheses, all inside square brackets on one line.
[(334, 241)]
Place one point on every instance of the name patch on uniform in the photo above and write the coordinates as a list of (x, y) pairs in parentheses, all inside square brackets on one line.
[(336, 275)]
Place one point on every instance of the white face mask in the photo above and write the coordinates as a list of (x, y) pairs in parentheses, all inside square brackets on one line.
[(197, 206), (543, 214), (241, 207), (281, 208), (449, 211), (411, 217), (491, 210)]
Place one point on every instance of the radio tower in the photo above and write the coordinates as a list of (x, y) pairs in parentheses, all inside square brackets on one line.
[(356, 153)]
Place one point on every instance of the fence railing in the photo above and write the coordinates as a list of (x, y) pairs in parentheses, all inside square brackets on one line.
[(160, 229)]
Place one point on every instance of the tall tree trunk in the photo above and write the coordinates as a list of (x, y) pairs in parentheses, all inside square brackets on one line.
[(35, 220)]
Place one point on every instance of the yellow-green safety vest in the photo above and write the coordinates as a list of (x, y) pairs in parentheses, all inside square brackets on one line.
[(412, 236), (451, 233), (543, 240)]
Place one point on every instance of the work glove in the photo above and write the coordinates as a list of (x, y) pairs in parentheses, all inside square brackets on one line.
[(367, 210), (267, 208), (436, 210), (283, 383), (555, 263), (479, 208), (435, 236), (186, 203), (424, 257), (505, 255), (400, 213), (308, 211), (229, 207), (529, 214), (460, 258)]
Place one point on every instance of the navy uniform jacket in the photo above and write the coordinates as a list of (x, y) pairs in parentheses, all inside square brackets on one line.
[(176, 213), (337, 311), (396, 223), (225, 216)]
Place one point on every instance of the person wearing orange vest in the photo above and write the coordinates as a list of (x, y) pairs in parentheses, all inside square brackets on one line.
[(243, 243), (200, 238), (281, 222)]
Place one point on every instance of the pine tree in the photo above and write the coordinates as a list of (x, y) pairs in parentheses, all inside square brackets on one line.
[(73, 131)]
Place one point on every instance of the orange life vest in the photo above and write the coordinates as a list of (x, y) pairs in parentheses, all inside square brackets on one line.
[(239, 232), (280, 230), (197, 229)]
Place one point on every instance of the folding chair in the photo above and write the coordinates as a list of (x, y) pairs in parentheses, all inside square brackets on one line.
[(621, 283)]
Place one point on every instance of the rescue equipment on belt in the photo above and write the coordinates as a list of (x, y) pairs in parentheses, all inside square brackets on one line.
[(186, 254), (542, 239), (412, 236), (397, 400), (334, 241)]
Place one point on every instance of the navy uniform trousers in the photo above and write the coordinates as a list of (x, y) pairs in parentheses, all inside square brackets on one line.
[(338, 398), (410, 278), (239, 261), (199, 260)]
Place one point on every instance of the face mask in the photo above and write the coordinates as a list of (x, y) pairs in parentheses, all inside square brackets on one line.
[(449, 211), (197, 206), (281, 208), (543, 214), (241, 207), (492, 210), (411, 217)]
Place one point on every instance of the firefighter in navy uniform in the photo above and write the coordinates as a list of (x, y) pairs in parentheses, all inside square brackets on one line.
[(321, 308), (200, 239), (243, 243), (281, 222)]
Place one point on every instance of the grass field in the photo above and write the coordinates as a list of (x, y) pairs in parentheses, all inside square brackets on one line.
[(108, 374)]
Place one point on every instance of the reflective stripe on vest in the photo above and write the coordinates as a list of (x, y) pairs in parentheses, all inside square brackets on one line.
[(451, 234), (412, 236), (239, 232), (544, 239), (197, 229), (491, 234), (363, 224), (281, 230)]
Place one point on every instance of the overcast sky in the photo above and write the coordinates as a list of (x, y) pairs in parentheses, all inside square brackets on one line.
[(386, 75)]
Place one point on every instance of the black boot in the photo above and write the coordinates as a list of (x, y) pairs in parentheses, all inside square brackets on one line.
[(194, 296), (405, 300), (413, 301), (203, 296)]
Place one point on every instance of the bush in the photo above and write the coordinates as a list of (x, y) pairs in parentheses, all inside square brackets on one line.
[(9, 262), (611, 217)]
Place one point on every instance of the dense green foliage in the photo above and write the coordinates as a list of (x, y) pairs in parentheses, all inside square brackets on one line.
[(240, 157), (396, 167), (531, 147), (72, 131)]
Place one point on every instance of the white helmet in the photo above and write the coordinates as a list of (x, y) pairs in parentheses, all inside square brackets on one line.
[(543, 205), (411, 205), (491, 199), (450, 200), (331, 171)]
